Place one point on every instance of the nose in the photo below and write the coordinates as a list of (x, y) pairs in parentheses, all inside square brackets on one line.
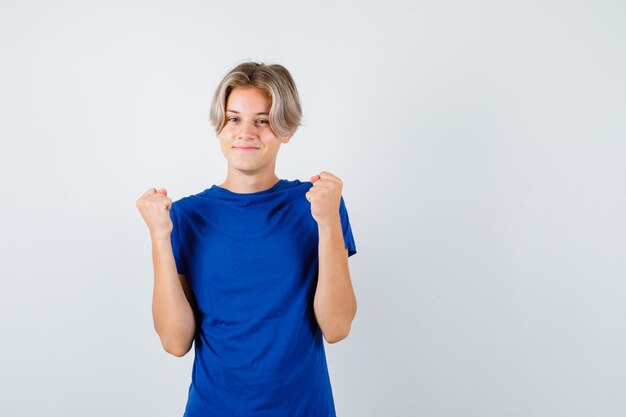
[(247, 130)]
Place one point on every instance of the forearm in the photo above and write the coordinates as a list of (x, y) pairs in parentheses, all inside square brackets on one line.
[(335, 302), (173, 316)]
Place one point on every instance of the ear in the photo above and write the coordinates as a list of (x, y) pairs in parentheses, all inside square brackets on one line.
[(285, 139)]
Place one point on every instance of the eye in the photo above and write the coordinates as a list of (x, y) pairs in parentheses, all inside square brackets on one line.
[(231, 118), (263, 121)]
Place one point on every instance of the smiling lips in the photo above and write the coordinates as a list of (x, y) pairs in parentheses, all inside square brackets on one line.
[(246, 148)]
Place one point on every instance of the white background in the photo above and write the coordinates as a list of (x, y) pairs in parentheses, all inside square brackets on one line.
[(482, 147)]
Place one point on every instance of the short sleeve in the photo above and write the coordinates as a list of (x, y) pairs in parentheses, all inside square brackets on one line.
[(348, 238), (175, 238)]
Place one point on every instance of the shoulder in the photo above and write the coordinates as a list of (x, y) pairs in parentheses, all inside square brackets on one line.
[(188, 203), (297, 185)]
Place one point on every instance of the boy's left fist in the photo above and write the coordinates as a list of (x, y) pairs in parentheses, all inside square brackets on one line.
[(325, 197)]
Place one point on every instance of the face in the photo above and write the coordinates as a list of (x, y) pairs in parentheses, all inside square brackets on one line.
[(246, 140)]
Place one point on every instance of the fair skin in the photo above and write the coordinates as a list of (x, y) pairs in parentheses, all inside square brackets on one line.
[(172, 313), (251, 171), (334, 302), (247, 125)]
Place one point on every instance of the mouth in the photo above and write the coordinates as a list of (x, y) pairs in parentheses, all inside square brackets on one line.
[(245, 148)]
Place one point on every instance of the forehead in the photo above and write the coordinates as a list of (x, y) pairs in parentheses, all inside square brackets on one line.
[(248, 100)]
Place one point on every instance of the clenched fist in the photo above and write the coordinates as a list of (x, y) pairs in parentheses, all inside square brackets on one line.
[(325, 198), (154, 206)]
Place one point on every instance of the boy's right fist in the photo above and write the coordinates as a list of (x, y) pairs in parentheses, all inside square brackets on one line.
[(154, 206)]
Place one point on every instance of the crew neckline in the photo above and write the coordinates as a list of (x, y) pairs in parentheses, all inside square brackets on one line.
[(227, 193)]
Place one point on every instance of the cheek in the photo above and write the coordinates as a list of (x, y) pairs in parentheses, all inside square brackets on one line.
[(226, 131)]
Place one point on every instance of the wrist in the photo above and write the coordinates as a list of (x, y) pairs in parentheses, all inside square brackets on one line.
[(160, 237), (329, 224)]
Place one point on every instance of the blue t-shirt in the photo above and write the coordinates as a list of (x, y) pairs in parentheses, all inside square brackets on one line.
[(252, 263)]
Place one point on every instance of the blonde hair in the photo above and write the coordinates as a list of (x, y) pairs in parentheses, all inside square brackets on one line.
[(286, 111)]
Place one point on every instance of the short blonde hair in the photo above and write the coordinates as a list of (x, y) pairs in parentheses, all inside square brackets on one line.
[(286, 111)]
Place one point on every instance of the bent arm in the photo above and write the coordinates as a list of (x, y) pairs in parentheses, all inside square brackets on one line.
[(173, 316)]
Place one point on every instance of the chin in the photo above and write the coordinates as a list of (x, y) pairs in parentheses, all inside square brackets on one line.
[(244, 167)]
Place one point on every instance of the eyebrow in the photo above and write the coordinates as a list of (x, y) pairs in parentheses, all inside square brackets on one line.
[(234, 111)]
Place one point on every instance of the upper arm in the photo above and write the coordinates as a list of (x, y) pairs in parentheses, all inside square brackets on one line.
[(191, 300), (348, 236), (186, 289)]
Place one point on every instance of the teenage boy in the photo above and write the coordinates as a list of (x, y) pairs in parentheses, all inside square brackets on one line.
[(254, 270)]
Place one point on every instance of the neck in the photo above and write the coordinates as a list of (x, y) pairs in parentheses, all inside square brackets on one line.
[(249, 184)]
